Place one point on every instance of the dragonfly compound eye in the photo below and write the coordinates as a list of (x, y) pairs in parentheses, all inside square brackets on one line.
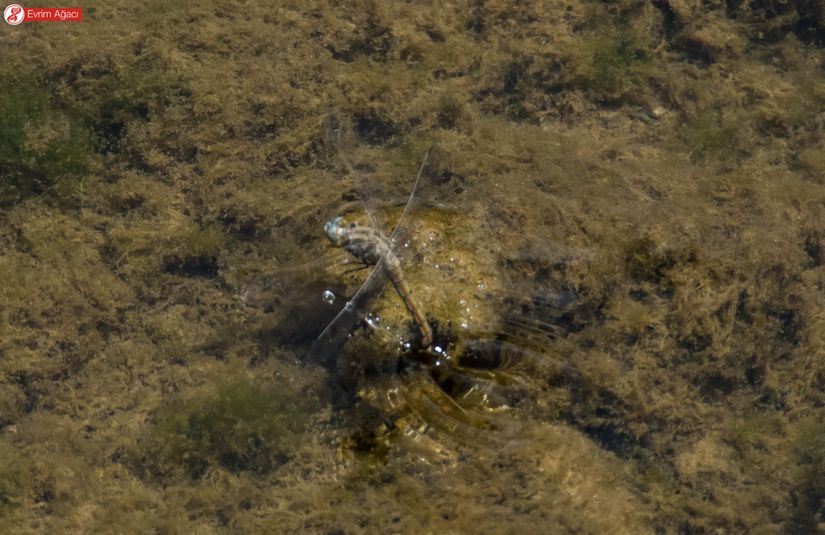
[(331, 229)]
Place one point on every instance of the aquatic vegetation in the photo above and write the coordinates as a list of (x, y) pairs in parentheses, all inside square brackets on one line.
[(12, 480), (713, 135), (755, 430), (171, 243), (618, 63), (809, 449), (648, 261), (55, 125), (369, 442), (43, 149), (237, 424), (667, 309), (114, 100), (772, 20)]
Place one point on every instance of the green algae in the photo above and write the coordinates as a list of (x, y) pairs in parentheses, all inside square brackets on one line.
[(809, 450), (236, 424), (43, 150), (713, 135), (12, 480), (620, 63), (631, 191)]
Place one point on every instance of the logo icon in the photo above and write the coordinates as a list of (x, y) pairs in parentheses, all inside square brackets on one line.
[(13, 14)]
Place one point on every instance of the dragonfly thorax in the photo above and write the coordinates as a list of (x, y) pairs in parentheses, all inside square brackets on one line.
[(363, 242)]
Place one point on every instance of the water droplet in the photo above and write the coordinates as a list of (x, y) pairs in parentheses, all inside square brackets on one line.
[(328, 297)]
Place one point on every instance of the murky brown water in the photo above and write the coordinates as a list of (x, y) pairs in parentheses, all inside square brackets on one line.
[(617, 240)]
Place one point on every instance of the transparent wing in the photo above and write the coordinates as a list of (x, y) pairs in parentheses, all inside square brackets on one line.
[(410, 202), (329, 342)]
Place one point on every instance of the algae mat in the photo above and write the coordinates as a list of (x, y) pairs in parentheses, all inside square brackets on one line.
[(629, 192)]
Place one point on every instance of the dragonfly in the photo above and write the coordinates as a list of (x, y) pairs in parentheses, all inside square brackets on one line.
[(369, 245)]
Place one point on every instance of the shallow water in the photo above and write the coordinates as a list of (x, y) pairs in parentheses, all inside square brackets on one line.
[(618, 242)]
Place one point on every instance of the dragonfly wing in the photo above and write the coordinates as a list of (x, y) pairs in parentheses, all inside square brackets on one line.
[(412, 198), (326, 347)]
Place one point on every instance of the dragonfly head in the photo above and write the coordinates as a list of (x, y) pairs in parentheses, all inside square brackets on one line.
[(333, 230)]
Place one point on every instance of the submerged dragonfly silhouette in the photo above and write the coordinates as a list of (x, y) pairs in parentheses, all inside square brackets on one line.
[(370, 246)]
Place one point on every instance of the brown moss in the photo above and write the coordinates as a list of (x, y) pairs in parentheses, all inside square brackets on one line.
[(629, 192), (237, 425)]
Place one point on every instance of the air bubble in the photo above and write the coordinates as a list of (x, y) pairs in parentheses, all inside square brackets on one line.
[(328, 297)]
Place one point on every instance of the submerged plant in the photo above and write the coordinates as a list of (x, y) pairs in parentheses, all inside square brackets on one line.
[(712, 135), (809, 448), (238, 425), (120, 98), (617, 62), (42, 149)]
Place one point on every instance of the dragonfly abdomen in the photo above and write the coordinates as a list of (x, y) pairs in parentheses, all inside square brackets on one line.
[(411, 302)]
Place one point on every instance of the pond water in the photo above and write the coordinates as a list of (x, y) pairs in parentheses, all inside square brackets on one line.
[(616, 242)]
